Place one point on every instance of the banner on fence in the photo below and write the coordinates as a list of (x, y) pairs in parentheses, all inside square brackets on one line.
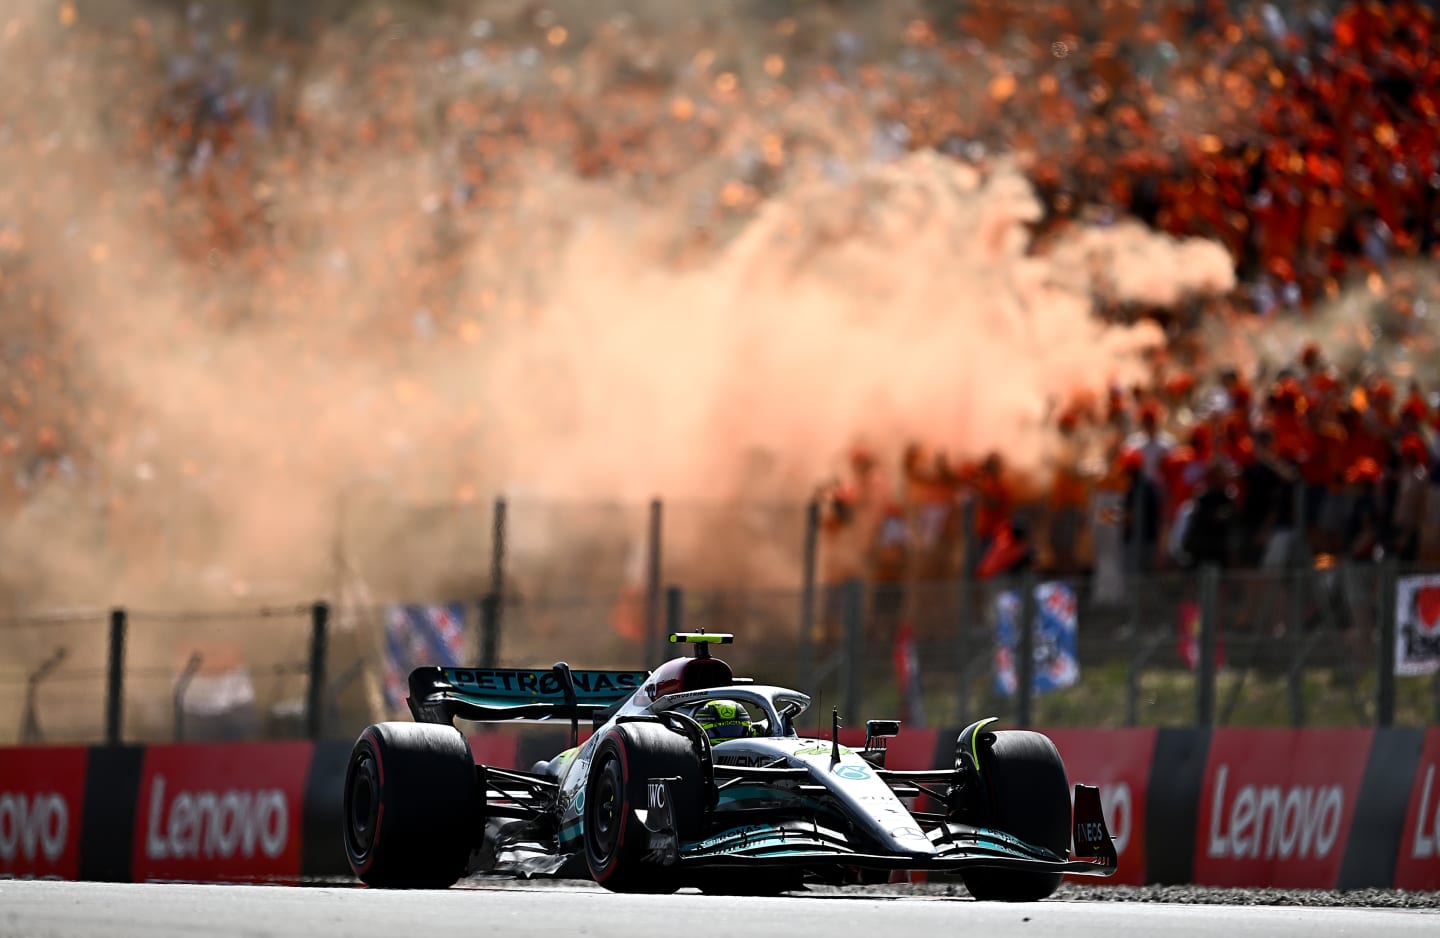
[(1187, 637), (1055, 629), (1417, 625), (421, 634)]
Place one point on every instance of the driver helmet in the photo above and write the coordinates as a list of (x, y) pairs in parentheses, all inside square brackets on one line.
[(724, 719)]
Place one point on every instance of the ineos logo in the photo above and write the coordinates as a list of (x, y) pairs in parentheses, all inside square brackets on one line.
[(1119, 811), (31, 824)]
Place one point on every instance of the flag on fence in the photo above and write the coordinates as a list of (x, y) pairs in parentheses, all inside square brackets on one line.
[(1187, 637), (1054, 630), (420, 634), (907, 676), (1417, 625)]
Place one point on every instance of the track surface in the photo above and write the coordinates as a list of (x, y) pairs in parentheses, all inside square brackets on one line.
[(159, 910)]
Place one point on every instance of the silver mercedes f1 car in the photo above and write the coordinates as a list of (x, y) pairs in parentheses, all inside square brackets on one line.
[(694, 777)]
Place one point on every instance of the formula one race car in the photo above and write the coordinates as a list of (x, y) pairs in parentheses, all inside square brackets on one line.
[(693, 777)]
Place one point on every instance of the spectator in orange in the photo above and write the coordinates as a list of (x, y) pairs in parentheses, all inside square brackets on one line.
[(1151, 442), (1143, 508), (1382, 418), (1362, 531), (1069, 493), (994, 502), (930, 490), (890, 558), (1237, 446), (1237, 393)]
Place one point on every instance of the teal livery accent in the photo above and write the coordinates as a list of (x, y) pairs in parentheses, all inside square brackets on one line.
[(499, 688)]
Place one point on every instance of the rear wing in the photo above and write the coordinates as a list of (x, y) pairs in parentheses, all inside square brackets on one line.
[(440, 695)]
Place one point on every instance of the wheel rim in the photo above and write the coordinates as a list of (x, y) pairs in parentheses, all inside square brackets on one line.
[(604, 809), (362, 805)]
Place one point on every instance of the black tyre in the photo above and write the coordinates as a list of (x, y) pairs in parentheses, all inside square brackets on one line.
[(616, 843), (412, 811), (1029, 797)]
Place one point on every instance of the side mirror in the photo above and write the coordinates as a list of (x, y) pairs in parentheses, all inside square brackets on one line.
[(880, 729)]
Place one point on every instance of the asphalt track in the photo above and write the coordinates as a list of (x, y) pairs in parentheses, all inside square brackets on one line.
[(46, 909)]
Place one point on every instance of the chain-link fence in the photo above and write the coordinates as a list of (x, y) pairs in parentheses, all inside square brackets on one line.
[(53, 678), (527, 583)]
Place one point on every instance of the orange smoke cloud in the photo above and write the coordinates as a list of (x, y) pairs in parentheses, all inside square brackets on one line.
[(561, 354)]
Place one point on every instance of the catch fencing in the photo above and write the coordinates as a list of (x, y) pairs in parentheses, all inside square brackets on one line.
[(1311, 644)]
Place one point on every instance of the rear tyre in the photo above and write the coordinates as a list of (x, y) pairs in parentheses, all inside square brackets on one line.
[(1029, 797), (411, 809), (616, 842)]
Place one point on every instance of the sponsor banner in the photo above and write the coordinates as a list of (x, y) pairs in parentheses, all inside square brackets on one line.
[(1057, 664), (420, 634), (217, 813), (1277, 805), (1418, 865), (1417, 625), (42, 797), (1118, 763)]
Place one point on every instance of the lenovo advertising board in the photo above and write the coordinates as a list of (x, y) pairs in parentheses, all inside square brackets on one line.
[(220, 813), (1276, 806), (42, 797), (1418, 865)]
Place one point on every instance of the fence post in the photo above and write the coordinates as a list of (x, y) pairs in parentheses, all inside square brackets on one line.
[(115, 678), (854, 620), (319, 646), (490, 629), (1385, 612), (493, 606), (806, 650), (674, 609), (652, 587), (1209, 630), (1134, 568), (1025, 653)]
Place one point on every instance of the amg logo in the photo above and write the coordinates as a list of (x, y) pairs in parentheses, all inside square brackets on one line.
[(744, 760)]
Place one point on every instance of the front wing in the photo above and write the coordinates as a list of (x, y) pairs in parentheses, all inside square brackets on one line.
[(808, 844)]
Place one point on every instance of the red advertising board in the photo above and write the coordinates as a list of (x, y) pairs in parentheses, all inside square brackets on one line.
[(493, 748), (1118, 763), (218, 813), (1418, 865), (42, 801), (1276, 806)]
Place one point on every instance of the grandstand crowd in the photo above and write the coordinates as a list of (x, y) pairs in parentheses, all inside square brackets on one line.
[(1302, 136), (1307, 468)]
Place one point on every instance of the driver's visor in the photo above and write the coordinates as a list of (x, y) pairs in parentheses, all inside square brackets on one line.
[(728, 730)]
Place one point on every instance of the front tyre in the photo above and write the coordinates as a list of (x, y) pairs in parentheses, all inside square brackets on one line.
[(411, 809), (616, 842), (1029, 797)]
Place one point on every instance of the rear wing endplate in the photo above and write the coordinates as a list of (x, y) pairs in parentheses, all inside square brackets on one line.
[(440, 695)]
